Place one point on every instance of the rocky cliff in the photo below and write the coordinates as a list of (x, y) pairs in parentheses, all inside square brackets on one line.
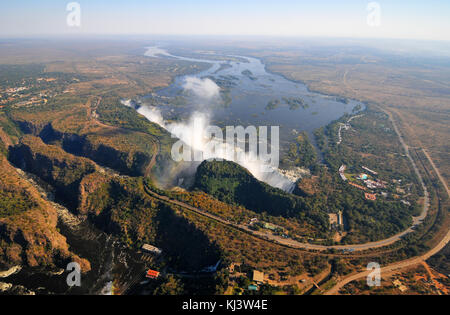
[(58, 168), (28, 233)]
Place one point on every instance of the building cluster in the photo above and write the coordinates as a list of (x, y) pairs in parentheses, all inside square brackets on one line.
[(11, 95), (155, 251), (369, 183), (372, 184), (15, 90), (27, 95)]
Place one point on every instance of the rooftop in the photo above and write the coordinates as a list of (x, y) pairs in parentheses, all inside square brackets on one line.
[(258, 276)]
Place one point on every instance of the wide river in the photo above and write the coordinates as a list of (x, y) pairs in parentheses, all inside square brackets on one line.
[(250, 88)]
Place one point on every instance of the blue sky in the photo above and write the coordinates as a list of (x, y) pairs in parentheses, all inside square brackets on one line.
[(414, 19)]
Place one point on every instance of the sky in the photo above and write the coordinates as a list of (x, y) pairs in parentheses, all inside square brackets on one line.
[(408, 19)]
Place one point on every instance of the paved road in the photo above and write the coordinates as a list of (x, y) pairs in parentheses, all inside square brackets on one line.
[(392, 267), (360, 247), (278, 239), (298, 245), (409, 262)]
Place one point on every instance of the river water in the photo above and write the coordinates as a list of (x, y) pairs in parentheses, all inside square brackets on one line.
[(251, 88), (114, 267), (238, 91)]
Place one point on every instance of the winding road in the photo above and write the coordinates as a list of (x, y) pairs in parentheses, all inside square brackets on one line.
[(306, 246), (359, 247), (389, 269)]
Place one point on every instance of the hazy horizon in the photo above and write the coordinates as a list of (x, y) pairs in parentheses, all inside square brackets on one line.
[(284, 18)]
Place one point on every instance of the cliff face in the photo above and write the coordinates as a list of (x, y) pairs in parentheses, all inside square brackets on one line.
[(128, 152), (28, 234), (127, 162), (53, 165), (119, 205), (68, 159)]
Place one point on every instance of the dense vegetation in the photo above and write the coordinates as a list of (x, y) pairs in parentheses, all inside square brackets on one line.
[(441, 261), (365, 220), (301, 153), (113, 113), (14, 202), (273, 104), (233, 184), (11, 75), (9, 128), (370, 142), (295, 102)]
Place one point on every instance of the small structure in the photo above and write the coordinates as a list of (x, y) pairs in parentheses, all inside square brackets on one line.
[(151, 249), (358, 186), (258, 276), (336, 220), (372, 197), (341, 172), (340, 220), (253, 221), (369, 170), (407, 203), (253, 287), (399, 285), (152, 274), (333, 218)]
